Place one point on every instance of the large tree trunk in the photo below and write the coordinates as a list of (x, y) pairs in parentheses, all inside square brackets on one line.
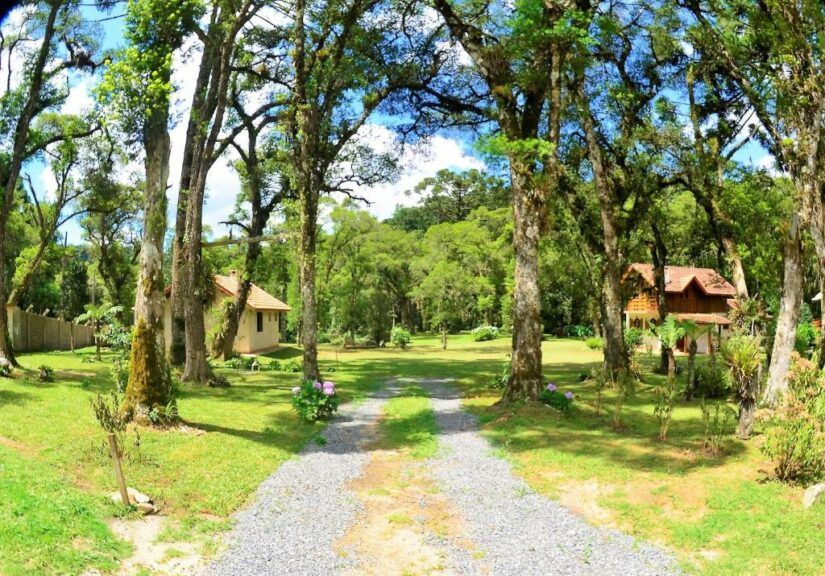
[(790, 304), (150, 384), (306, 277), (10, 172), (736, 268), (659, 254), (191, 151), (223, 345), (747, 409), (614, 352), (528, 222)]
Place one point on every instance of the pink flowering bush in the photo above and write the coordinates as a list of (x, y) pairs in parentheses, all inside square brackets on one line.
[(315, 400), (555, 398)]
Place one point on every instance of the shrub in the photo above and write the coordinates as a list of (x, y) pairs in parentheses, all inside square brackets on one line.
[(164, 415), (712, 381), (594, 343), (578, 331), (625, 387), (484, 333), (240, 363), (664, 396), (795, 438), (555, 398), (743, 354), (633, 338), (400, 337), (805, 338), (599, 379), (293, 366), (501, 379), (45, 373), (716, 425), (120, 372), (272, 366), (315, 400)]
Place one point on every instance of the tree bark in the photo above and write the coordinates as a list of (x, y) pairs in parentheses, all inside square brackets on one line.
[(150, 383), (614, 351), (747, 410), (306, 274), (528, 221), (11, 172), (691, 370), (789, 307), (659, 254)]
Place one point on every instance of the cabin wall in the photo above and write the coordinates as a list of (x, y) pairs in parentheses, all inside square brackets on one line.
[(694, 301)]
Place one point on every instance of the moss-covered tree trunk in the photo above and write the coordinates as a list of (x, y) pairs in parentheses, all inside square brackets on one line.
[(150, 383), (528, 221), (306, 272)]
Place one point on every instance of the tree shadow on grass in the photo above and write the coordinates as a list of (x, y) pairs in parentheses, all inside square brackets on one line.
[(14, 397)]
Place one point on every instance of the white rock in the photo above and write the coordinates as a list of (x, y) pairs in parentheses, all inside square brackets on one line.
[(812, 494), (146, 508), (135, 497)]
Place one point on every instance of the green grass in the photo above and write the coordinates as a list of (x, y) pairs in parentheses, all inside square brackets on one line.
[(717, 513), (409, 423), (47, 527)]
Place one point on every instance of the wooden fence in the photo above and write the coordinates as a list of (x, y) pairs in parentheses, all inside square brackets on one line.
[(32, 332)]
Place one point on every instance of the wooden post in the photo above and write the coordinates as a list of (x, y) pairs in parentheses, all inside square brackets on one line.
[(121, 481)]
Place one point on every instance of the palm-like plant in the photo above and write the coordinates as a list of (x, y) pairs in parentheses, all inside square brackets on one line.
[(669, 333), (693, 332), (743, 355), (97, 315)]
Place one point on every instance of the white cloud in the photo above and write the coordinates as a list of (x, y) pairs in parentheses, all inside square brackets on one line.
[(417, 162), (79, 100)]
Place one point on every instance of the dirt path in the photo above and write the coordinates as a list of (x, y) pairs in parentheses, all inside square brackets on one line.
[(351, 506)]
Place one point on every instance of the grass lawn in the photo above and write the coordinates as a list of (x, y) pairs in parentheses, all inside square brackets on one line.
[(716, 512)]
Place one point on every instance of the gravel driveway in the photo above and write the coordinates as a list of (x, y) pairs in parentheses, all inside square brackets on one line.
[(305, 507)]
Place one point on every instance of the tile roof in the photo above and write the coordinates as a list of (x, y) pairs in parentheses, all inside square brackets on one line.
[(257, 300), (677, 278)]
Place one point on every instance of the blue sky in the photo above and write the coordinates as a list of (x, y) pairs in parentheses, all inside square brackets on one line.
[(420, 162), (439, 152)]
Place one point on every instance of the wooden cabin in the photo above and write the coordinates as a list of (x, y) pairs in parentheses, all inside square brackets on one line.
[(698, 294)]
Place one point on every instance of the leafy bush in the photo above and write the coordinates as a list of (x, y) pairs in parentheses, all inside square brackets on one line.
[(272, 366), (594, 343), (599, 378), (501, 379), (240, 363), (805, 338), (716, 425), (795, 438), (484, 333), (164, 415), (315, 400), (293, 366), (400, 337), (711, 380), (625, 383), (633, 338), (664, 396), (578, 331), (45, 373), (120, 372), (555, 398)]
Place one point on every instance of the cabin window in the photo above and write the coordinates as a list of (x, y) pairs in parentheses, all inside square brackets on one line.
[(260, 319)]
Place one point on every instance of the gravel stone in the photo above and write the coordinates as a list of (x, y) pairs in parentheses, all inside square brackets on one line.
[(304, 506), (517, 531)]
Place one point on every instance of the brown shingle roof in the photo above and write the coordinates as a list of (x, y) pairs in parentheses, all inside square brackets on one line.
[(257, 300), (677, 278)]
